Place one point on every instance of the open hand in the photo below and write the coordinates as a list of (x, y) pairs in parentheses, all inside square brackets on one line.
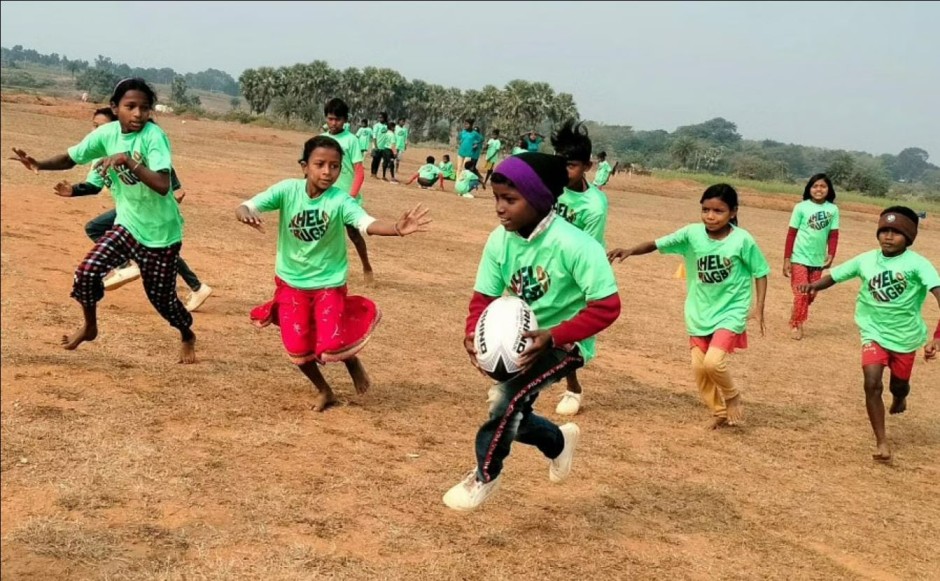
[(246, 215), (63, 188), (541, 341), (26, 159), (619, 254), (414, 221)]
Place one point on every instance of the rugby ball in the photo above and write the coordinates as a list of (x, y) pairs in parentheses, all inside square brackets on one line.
[(499, 336)]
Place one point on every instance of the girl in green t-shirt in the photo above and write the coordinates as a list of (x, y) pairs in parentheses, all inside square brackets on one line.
[(721, 260), (319, 322), (133, 156), (811, 244)]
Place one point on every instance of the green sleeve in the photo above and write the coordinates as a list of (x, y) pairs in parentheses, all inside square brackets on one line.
[(270, 199), (157, 151), (796, 217), (489, 278), (593, 273), (353, 213), (835, 219), (90, 148), (754, 259), (928, 275), (675, 243), (94, 178), (846, 270), (355, 154), (594, 224)]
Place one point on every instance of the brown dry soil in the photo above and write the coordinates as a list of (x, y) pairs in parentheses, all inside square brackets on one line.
[(119, 463)]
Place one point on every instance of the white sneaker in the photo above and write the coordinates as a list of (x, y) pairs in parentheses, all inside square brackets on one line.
[(560, 467), (569, 405), (121, 276), (198, 297), (470, 493)]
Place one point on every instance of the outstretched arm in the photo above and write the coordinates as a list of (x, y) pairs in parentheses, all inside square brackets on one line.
[(933, 346), (57, 163), (619, 254), (821, 284), (410, 222)]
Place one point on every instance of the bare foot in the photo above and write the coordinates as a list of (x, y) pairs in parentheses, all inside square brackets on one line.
[(358, 374), (188, 351), (368, 277), (716, 423), (323, 400), (735, 410), (898, 405), (86, 333), (883, 454), (796, 333)]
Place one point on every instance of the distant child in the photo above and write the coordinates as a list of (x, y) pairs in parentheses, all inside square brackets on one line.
[(469, 142), (379, 138), (895, 282), (427, 175), (520, 147), (583, 205), (563, 275), (447, 169), (492, 156), (134, 155), (811, 244), (352, 175), (364, 135), (603, 171), (386, 151), (721, 260), (468, 181), (401, 141), (319, 322), (533, 140)]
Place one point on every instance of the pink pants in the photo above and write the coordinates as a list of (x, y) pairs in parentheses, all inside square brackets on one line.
[(800, 274)]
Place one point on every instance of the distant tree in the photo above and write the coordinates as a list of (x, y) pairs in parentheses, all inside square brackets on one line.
[(718, 131), (911, 164), (840, 169), (99, 83), (179, 93), (684, 149), (235, 103)]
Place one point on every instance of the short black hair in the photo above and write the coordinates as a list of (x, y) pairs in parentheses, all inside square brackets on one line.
[(571, 141), (320, 141), (429, 159), (364, 121), (446, 157), (337, 107), (830, 197), (107, 112), (726, 194), (602, 155), (496, 132), (904, 211)]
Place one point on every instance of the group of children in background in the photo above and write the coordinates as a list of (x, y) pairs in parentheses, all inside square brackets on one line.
[(549, 249)]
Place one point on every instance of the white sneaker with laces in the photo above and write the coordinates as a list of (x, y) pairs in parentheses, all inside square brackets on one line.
[(121, 276), (470, 493), (569, 405), (560, 467), (198, 297)]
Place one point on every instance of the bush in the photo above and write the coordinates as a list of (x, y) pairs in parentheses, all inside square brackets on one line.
[(23, 79)]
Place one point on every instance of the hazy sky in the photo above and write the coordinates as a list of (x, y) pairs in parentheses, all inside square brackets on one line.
[(849, 75)]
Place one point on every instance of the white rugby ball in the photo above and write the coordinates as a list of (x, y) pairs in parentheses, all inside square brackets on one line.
[(499, 336)]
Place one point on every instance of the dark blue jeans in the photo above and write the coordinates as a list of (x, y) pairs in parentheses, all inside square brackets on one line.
[(97, 226), (511, 416)]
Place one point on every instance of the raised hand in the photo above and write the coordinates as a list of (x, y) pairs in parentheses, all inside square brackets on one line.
[(414, 221), (26, 159), (246, 215)]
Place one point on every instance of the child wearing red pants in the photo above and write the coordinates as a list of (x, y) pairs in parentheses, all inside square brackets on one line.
[(895, 282), (811, 244), (319, 322)]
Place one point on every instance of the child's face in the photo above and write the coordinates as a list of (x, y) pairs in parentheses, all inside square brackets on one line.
[(99, 120), (334, 124), (576, 171), (133, 111), (322, 167), (892, 242), (716, 214), (818, 191), (513, 211)]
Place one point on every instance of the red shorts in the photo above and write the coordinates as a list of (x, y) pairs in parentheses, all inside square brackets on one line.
[(900, 364), (323, 325), (722, 339)]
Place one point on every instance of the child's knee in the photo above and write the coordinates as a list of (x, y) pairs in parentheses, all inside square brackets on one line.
[(900, 387), (873, 384), (715, 362)]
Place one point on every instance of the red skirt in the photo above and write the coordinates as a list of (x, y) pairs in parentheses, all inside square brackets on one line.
[(322, 325)]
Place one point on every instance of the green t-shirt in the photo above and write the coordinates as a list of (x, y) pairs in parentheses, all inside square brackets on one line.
[(587, 210), (517, 150), (492, 149), (556, 272), (94, 178), (351, 156), (467, 177), (813, 223), (888, 307), (364, 135), (378, 130), (429, 171), (719, 277), (311, 238), (153, 219), (447, 168), (401, 138), (385, 141), (603, 173)]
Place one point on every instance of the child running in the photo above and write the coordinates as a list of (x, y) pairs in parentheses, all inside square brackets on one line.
[(724, 259), (564, 276), (352, 175), (427, 175), (811, 244), (135, 156), (585, 206), (319, 322), (895, 283), (603, 171)]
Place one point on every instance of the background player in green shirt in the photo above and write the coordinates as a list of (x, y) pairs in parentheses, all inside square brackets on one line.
[(319, 322), (895, 283), (378, 131), (401, 141), (134, 155), (564, 277), (364, 135), (583, 205), (721, 260), (428, 175), (492, 156), (447, 169), (603, 170)]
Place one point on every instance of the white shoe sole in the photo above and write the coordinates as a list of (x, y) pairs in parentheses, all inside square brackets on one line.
[(572, 434)]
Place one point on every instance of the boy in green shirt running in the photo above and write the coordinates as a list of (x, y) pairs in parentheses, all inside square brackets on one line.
[(319, 322), (895, 283), (603, 170)]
